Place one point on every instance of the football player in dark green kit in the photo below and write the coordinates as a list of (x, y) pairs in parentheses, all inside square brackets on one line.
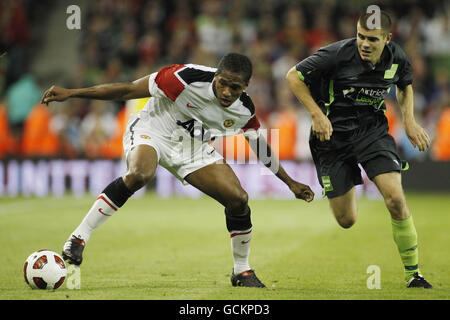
[(343, 87)]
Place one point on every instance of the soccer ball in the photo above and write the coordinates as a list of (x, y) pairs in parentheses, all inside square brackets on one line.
[(44, 269)]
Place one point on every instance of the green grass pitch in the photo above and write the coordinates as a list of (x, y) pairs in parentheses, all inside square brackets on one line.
[(179, 249)]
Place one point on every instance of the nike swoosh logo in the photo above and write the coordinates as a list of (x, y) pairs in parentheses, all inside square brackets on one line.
[(244, 242), (101, 211), (189, 106)]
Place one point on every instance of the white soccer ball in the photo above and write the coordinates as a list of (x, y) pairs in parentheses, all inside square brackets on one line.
[(44, 269)]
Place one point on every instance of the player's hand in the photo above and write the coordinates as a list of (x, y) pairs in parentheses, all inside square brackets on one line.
[(321, 127), (417, 135), (55, 94), (301, 191)]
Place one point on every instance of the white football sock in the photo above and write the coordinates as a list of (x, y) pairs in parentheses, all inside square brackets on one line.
[(240, 246), (100, 211)]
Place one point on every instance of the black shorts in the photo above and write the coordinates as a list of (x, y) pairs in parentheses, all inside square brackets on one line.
[(337, 160)]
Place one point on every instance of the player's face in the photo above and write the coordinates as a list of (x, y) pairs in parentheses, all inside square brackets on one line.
[(371, 43), (228, 86)]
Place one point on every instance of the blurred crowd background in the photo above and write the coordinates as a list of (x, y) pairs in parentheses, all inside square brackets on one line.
[(124, 40)]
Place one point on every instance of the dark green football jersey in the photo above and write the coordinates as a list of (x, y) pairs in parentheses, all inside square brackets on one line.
[(349, 90)]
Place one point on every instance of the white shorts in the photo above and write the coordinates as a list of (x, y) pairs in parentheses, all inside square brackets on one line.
[(180, 154)]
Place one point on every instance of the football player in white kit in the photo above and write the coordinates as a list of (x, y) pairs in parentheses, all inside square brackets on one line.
[(190, 105)]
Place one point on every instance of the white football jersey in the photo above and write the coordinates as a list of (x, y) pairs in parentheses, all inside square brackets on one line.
[(183, 97)]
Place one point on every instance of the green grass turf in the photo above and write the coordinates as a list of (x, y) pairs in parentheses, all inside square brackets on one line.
[(180, 249)]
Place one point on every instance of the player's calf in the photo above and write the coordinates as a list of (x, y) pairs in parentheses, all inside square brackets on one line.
[(237, 204), (240, 229)]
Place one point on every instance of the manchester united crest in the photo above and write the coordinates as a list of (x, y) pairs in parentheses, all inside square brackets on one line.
[(228, 123)]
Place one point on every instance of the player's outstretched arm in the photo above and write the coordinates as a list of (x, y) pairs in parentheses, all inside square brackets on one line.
[(416, 134), (265, 154), (111, 91)]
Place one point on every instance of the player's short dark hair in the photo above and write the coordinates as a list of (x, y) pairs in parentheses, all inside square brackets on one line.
[(385, 21), (237, 63)]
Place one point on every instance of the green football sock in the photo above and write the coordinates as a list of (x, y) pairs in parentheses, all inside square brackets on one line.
[(405, 236)]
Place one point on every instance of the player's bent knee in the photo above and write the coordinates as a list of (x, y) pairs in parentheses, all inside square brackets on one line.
[(238, 203), (345, 219), (237, 211), (135, 180), (346, 223)]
